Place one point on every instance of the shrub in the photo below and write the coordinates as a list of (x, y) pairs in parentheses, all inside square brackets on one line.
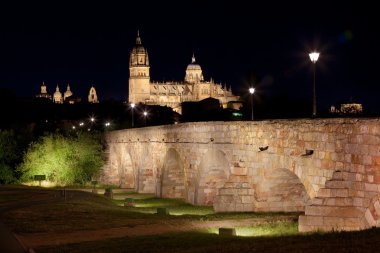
[(64, 159)]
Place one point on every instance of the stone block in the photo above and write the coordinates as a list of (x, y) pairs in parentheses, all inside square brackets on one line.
[(371, 187), (227, 191), (227, 232), (331, 211), (337, 184), (162, 211), (239, 171), (355, 193), (246, 199), (323, 193), (339, 192), (242, 191), (369, 218), (335, 222), (358, 202), (317, 201)]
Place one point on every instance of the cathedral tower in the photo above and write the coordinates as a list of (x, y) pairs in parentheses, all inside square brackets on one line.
[(44, 93), (92, 97), (139, 78), (67, 93)]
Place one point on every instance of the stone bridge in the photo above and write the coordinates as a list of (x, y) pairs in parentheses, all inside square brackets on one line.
[(327, 168)]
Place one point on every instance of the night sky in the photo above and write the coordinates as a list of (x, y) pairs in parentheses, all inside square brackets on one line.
[(240, 43)]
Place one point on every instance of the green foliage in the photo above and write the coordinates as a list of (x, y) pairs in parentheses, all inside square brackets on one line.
[(8, 156), (63, 159)]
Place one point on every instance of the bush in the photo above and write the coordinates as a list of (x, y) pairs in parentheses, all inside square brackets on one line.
[(64, 159)]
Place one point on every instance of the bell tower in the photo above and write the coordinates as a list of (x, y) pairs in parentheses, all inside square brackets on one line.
[(139, 77)]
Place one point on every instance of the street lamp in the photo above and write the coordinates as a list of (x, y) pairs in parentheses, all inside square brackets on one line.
[(251, 91), (145, 115), (314, 58), (133, 120)]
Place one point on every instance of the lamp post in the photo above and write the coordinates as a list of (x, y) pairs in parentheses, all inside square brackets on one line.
[(145, 115), (251, 91), (133, 120), (314, 58)]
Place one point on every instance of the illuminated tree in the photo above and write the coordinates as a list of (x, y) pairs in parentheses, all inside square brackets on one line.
[(63, 159)]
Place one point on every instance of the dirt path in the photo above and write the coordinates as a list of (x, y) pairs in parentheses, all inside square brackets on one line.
[(45, 239)]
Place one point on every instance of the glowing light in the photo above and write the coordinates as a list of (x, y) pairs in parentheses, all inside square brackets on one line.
[(251, 90), (133, 105), (107, 124), (92, 119), (73, 127), (81, 124), (145, 113), (314, 57)]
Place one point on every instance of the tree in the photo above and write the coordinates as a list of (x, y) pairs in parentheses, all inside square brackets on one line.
[(63, 159), (8, 156)]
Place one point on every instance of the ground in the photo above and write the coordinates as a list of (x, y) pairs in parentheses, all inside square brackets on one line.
[(45, 220)]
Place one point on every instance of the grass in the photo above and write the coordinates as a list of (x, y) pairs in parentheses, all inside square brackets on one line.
[(338, 242), (275, 232), (86, 211), (174, 206), (81, 211), (274, 228)]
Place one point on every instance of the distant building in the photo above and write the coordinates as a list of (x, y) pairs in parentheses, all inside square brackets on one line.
[(67, 96), (172, 94), (92, 97), (347, 109), (44, 93)]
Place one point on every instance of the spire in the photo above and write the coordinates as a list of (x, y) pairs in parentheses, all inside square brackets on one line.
[(57, 89), (68, 86), (43, 83), (193, 58), (138, 39)]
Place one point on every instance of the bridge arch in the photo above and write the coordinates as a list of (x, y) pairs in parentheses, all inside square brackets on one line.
[(173, 176), (280, 190), (121, 171), (126, 170), (213, 172)]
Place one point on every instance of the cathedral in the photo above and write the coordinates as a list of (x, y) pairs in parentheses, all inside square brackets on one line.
[(172, 94)]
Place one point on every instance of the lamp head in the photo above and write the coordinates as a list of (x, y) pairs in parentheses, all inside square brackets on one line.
[(314, 56)]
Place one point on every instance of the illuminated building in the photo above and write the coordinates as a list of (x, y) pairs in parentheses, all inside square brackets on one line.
[(172, 94)]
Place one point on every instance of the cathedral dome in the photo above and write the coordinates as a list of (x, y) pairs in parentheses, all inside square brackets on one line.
[(139, 55), (193, 65), (193, 72), (57, 97), (138, 49)]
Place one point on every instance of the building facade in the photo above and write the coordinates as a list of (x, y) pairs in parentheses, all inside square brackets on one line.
[(172, 94)]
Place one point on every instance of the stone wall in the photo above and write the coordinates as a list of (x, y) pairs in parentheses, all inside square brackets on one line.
[(328, 168)]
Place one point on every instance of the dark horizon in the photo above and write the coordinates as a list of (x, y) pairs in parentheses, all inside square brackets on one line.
[(262, 44)]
